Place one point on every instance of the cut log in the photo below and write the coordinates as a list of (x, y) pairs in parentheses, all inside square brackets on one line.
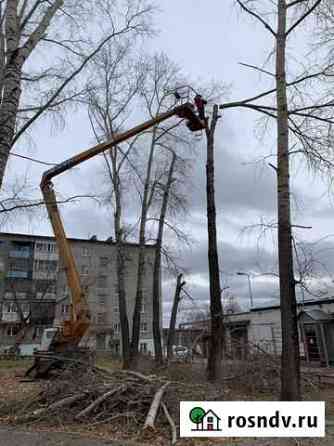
[(58, 404), (152, 413), (98, 401), (139, 375), (171, 423)]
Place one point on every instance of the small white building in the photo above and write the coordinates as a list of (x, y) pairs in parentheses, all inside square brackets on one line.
[(260, 328)]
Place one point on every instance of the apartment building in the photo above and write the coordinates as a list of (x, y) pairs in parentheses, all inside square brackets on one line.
[(33, 285)]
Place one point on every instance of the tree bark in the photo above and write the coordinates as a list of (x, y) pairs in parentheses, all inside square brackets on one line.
[(11, 92), (141, 257), (122, 305), (153, 411), (14, 60), (157, 267), (290, 369), (214, 366), (172, 324)]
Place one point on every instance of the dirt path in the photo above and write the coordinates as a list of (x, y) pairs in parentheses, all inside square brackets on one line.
[(12, 437)]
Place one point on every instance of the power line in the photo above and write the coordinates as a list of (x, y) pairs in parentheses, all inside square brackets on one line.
[(44, 163)]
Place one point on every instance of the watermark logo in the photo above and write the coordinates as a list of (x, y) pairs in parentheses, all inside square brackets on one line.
[(252, 419), (204, 420)]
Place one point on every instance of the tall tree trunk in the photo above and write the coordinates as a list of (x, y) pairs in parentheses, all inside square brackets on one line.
[(123, 317), (15, 57), (214, 366), (172, 323), (290, 369), (122, 305), (157, 266), (141, 257), (11, 91)]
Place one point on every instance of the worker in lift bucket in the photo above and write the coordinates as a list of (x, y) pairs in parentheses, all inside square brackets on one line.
[(200, 105)]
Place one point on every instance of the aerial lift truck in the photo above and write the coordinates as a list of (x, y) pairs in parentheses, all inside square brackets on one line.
[(60, 345)]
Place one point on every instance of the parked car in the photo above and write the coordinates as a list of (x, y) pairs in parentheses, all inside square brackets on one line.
[(181, 352)]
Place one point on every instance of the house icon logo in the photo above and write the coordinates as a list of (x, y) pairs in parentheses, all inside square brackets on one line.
[(204, 420)]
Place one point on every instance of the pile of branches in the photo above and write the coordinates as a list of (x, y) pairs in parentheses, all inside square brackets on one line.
[(260, 371), (98, 396)]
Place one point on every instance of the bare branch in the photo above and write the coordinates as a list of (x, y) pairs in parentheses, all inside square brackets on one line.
[(257, 16), (303, 17)]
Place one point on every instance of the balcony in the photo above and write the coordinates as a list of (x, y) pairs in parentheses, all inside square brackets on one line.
[(45, 275), (20, 254), (12, 317), (18, 274)]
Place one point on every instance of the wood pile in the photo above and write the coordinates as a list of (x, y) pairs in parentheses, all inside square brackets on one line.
[(99, 396)]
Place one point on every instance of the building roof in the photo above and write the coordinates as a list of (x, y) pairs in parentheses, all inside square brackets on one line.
[(329, 300), (317, 315), (93, 240), (307, 303)]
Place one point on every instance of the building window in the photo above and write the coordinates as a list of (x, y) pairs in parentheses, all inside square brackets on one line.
[(12, 330), (9, 295), (104, 261), (143, 305), (46, 292), (115, 309), (10, 307), (65, 308), (46, 247), (143, 327), (40, 247), (52, 247), (52, 288), (102, 299), (18, 265), (38, 332), (101, 318), (143, 347), (46, 266), (117, 328), (21, 295), (102, 282), (85, 251), (84, 270), (25, 308), (13, 307)]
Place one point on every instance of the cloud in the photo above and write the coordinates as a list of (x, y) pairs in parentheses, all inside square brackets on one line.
[(239, 187)]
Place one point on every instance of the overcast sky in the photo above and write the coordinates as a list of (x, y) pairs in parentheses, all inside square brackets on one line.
[(208, 40)]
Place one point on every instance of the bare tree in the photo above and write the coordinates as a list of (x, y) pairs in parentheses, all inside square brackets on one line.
[(216, 309), (290, 352), (57, 37), (157, 93), (309, 124), (116, 81), (157, 263), (111, 102)]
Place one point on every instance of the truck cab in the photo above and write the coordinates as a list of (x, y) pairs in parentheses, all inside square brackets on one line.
[(47, 337)]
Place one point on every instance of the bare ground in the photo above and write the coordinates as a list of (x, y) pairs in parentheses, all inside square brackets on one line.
[(54, 433)]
